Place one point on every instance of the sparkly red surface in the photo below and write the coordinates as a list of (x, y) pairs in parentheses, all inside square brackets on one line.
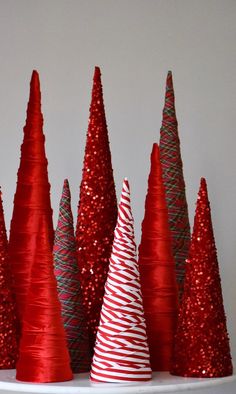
[(8, 338), (202, 343), (97, 211)]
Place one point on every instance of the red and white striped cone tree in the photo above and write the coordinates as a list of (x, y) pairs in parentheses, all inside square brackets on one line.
[(121, 351)]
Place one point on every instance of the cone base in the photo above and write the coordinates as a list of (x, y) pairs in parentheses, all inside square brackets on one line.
[(41, 374), (207, 375), (119, 380)]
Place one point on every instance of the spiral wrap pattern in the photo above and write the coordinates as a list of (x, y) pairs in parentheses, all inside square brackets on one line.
[(121, 350)]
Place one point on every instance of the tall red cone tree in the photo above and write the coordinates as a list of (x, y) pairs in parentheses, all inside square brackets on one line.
[(67, 274), (43, 355), (157, 271), (32, 197), (202, 343), (174, 183), (97, 211), (8, 333)]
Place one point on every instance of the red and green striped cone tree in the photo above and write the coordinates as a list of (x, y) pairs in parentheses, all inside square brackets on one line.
[(173, 178), (68, 286)]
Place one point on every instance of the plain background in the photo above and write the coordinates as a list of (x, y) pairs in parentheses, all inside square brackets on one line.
[(135, 42)]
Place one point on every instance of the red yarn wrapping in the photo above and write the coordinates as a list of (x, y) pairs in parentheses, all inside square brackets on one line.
[(157, 271), (32, 198), (44, 356), (202, 343), (97, 211)]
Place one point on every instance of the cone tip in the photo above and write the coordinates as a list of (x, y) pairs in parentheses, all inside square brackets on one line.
[(203, 183), (169, 79), (155, 155), (66, 182), (97, 73), (35, 77)]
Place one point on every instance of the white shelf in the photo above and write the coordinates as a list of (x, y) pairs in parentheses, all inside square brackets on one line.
[(162, 382)]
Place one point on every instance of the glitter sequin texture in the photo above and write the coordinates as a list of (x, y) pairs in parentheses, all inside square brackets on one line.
[(97, 211), (8, 341), (202, 344)]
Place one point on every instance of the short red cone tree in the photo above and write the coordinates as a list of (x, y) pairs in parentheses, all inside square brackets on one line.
[(43, 355), (202, 343), (69, 292), (173, 178), (8, 332), (32, 198), (97, 211), (157, 271)]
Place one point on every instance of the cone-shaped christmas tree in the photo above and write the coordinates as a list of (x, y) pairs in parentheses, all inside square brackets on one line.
[(121, 350), (8, 338), (157, 271), (174, 183), (97, 211), (43, 355), (68, 286), (32, 197), (202, 343)]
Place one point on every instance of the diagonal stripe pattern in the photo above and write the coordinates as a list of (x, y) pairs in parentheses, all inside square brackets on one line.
[(68, 285), (121, 350), (174, 183)]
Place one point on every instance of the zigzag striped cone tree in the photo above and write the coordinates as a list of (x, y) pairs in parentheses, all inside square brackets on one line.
[(68, 286), (121, 350), (173, 178)]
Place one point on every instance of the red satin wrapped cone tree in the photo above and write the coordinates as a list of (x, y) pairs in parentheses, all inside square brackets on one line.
[(157, 271), (202, 343), (97, 211), (32, 198), (173, 178), (43, 355), (8, 332), (68, 286)]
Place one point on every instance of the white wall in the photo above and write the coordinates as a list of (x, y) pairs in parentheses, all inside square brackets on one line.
[(135, 43)]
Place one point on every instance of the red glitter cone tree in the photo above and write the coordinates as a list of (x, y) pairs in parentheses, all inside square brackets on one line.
[(8, 338), (68, 286), (32, 197), (97, 211), (121, 350), (174, 183), (202, 343), (157, 271), (43, 355)]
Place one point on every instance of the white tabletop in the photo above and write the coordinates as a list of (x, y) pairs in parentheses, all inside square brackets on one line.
[(161, 382)]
